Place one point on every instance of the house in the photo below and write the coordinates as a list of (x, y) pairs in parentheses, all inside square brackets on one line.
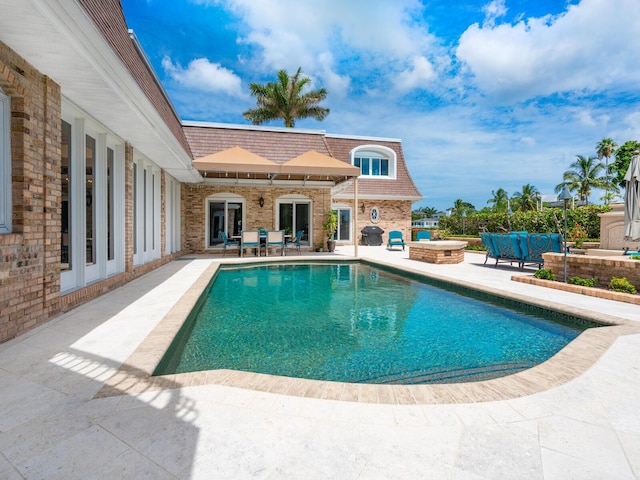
[(101, 182), (294, 200)]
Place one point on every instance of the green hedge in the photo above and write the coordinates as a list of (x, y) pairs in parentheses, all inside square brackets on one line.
[(547, 220)]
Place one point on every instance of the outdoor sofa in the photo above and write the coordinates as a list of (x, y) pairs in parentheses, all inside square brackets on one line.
[(521, 247)]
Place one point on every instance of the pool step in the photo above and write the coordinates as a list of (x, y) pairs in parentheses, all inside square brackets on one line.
[(417, 377)]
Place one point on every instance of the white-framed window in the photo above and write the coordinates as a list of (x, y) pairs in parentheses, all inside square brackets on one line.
[(5, 164), (146, 210), (293, 215), (224, 213), (343, 233), (374, 161), (92, 203), (172, 215)]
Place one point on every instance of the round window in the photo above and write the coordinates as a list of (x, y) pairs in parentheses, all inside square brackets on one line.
[(375, 215)]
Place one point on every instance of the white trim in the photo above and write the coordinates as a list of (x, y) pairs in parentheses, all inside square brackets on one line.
[(257, 128), (364, 137), (226, 198), (384, 152), (6, 214)]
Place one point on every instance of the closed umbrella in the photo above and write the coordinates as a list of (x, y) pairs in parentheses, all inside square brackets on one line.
[(632, 200)]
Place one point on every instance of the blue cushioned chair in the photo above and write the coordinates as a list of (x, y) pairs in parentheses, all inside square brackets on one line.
[(228, 243), (395, 239), (423, 235), (295, 241)]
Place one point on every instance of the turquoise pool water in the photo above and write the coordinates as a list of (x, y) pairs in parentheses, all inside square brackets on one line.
[(357, 323)]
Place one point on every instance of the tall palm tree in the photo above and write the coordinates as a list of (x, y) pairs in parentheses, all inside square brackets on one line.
[(528, 198), (582, 176), (285, 99), (500, 199), (605, 148)]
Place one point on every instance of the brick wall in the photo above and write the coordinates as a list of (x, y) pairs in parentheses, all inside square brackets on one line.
[(29, 279), (394, 215), (194, 200), (588, 266)]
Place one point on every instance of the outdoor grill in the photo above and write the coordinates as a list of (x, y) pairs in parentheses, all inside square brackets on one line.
[(372, 235)]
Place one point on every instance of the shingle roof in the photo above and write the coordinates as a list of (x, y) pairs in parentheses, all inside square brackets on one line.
[(280, 146), (402, 186), (277, 146), (108, 17)]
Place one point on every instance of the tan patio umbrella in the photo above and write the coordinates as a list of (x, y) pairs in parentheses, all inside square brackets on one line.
[(235, 159), (632, 200), (312, 163)]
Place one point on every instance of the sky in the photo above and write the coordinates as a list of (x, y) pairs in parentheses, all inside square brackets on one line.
[(483, 94)]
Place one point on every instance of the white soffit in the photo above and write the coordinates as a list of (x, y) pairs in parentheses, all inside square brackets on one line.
[(61, 41)]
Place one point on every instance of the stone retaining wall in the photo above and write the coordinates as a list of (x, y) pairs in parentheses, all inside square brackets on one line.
[(588, 266)]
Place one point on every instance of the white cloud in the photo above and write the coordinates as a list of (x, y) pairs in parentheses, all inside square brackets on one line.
[(590, 47), (493, 11), (205, 76), (420, 73)]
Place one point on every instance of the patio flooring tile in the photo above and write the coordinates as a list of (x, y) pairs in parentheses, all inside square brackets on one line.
[(77, 402)]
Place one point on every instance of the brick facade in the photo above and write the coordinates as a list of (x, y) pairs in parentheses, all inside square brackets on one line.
[(30, 254)]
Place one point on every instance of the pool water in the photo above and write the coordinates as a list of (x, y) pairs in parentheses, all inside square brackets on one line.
[(352, 322)]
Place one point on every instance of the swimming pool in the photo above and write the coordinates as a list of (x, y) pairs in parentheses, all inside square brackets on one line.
[(357, 323)]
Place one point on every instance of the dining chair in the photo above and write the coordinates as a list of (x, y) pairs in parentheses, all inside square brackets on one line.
[(275, 239), (249, 239), (228, 243), (295, 242)]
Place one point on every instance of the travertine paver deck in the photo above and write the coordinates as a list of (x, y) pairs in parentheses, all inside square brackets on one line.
[(583, 422)]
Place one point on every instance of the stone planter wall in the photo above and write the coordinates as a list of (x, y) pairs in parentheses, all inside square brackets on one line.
[(588, 266)]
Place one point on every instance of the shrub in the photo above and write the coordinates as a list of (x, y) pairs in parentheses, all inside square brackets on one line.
[(583, 282), (635, 257), (621, 284), (475, 248), (544, 274)]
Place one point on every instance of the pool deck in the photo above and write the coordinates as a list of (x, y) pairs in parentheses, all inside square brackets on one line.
[(72, 404)]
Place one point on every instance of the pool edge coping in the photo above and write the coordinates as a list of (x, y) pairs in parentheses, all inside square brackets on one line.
[(134, 376)]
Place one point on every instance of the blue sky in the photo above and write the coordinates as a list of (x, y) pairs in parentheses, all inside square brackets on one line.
[(484, 94)]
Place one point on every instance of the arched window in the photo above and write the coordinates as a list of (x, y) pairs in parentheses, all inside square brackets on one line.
[(375, 161), (5, 164)]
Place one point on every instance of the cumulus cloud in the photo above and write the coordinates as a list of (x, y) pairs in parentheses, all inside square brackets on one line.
[(381, 35), (591, 46), (493, 11), (419, 74), (205, 76)]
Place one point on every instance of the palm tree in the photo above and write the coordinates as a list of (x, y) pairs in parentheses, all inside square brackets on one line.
[(284, 99), (605, 148), (500, 199), (582, 176), (528, 198)]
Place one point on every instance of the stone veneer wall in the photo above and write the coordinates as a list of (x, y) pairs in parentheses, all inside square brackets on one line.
[(588, 266), (194, 215)]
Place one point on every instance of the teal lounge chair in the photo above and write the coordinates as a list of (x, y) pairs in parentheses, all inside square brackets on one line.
[(423, 235), (395, 240)]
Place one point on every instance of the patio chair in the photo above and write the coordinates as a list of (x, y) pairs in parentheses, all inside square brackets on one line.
[(250, 239), (395, 239), (295, 241), (423, 235), (274, 239), (228, 243)]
